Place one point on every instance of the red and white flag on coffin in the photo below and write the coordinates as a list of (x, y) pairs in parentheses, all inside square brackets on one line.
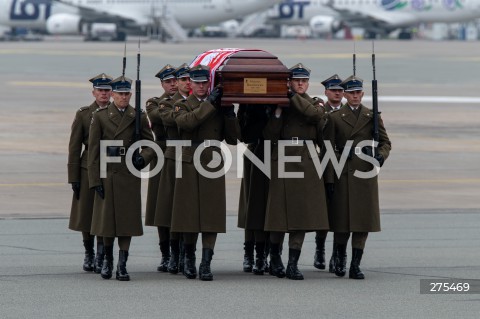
[(214, 59)]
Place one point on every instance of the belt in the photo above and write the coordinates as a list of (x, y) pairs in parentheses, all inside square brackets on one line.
[(296, 140), (206, 143), (116, 151), (357, 150)]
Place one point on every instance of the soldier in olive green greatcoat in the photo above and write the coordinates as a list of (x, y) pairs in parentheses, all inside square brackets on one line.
[(82, 201), (334, 94), (354, 206), (199, 204), (168, 82), (166, 186), (118, 207), (252, 119), (295, 204)]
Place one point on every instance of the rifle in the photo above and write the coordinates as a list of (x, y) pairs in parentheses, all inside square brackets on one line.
[(354, 59), (374, 100), (124, 59), (138, 111)]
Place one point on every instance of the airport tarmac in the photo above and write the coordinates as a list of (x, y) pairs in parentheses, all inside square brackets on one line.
[(429, 189)]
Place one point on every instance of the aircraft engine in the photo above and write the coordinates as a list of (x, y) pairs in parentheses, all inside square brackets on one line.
[(64, 23), (325, 24)]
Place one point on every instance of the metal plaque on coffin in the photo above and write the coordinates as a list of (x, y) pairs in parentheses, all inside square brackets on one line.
[(253, 77)]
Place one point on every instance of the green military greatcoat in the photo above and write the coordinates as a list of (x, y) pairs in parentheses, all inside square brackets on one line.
[(119, 214), (160, 136), (296, 204), (355, 205), (199, 203), (82, 208)]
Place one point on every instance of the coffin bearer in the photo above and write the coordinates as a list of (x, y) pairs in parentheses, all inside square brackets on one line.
[(354, 201), (334, 94), (163, 212), (82, 201), (199, 204), (254, 188), (118, 208), (168, 82), (296, 204)]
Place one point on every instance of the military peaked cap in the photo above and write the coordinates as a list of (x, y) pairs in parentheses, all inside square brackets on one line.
[(352, 83), (168, 72), (101, 81), (333, 83), (200, 73), (299, 71), (182, 71), (121, 84)]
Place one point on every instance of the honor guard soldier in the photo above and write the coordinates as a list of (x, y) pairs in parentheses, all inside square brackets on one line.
[(82, 202), (118, 206), (169, 85), (295, 204), (163, 211), (254, 188), (334, 94), (354, 201), (199, 204)]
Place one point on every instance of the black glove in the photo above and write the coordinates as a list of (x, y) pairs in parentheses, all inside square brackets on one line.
[(290, 94), (380, 159), (138, 161), (228, 111), (329, 187), (76, 189), (367, 150), (100, 191), (215, 95)]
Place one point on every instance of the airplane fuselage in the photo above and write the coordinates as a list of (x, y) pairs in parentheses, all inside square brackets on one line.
[(415, 11), (194, 13)]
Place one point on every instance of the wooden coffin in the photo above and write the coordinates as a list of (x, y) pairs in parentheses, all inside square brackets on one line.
[(253, 77)]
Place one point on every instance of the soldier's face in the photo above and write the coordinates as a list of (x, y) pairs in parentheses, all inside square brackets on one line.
[(184, 86), (299, 86), (121, 99), (170, 86), (102, 96), (334, 96), (354, 98), (200, 89)]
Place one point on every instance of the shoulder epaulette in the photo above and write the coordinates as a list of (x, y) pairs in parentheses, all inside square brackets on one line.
[(83, 108)]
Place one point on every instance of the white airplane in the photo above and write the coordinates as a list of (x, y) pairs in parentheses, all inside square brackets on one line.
[(375, 16), (122, 16)]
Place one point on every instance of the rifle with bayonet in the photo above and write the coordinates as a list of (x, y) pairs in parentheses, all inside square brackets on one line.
[(138, 111), (374, 101)]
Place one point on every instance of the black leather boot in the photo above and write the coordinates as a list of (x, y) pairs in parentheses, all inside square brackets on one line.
[(355, 272), (88, 261), (341, 260), (107, 267), (331, 264), (276, 264), (204, 271), (319, 258), (165, 250), (190, 270), (259, 267), (248, 256), (99, 257), (267, 253), (122, 273), (292, 266), (173, 264), (181, 259)]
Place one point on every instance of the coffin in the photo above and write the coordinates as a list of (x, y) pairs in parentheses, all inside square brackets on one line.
[(253, 77), (248, 76)]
